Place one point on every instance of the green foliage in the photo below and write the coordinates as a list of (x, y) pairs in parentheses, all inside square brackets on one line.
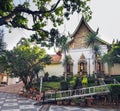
[(115, 90), (92, 39), (19, 21), (84, 80), (76, 101), (117, 78), (2, 43), (2, 50), (54, 78), (64, 85), (21, 15), (113, 56), (67, 60), (51, 85), (91, 81), (38, 25), (46, 76), (24, 62), (74, 82), (6, 6)]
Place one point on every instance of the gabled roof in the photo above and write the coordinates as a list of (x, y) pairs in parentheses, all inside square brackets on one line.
[(55, 59), (83, 21), (79, 25)]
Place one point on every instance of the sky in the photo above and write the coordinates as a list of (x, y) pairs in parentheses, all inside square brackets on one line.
[(106, 17)]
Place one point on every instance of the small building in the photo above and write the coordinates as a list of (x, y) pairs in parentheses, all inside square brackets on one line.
[(56, 67)]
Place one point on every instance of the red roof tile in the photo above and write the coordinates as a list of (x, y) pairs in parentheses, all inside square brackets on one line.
[(55, 58)]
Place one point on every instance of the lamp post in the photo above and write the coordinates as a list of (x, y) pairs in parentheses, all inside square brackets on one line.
[(41, 81)]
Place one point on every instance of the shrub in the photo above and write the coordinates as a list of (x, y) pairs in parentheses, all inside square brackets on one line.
[(46, 76), (54, 78), (115, 89), (117, 78), (85, 80), (64, 85)]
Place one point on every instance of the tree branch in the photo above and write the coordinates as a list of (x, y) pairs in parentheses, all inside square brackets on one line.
[(19, 9)]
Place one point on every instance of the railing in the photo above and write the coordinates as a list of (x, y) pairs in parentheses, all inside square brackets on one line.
[(115, 81), (68, 94)]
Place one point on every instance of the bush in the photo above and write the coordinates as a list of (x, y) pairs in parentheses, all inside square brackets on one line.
[(91, 80), (54, 78), (115, 89), (73, 82), (85, 80), (51, 85), (64, 85), (46, 76), (117, 78)]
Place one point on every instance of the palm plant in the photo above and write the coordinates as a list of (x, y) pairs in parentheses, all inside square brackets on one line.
[(91, 41), (113, 55), (66, 63), (63, 45)]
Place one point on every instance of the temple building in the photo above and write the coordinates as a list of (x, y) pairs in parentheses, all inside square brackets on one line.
[(82, 60), (82, 55)]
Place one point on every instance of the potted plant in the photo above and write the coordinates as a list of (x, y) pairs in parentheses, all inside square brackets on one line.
[(82, 102)]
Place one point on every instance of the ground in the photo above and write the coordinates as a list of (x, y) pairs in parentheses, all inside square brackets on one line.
[(13, 88), (11, 101)]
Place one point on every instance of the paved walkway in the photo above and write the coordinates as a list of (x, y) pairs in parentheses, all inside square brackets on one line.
[(63, 108), (13, 88), (12, 102)]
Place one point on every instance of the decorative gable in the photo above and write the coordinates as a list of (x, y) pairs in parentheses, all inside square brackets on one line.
[(80, 34)]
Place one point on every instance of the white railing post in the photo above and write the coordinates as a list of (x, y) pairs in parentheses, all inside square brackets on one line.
[(89, 90)]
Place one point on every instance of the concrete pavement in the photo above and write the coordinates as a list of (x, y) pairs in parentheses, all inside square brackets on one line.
[(64, 108), (12, 102)]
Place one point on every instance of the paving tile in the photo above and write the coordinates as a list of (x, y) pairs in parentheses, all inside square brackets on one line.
[(12, 102), (10, 110)]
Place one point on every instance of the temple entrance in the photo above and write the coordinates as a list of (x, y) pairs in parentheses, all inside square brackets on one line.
[(82, 66)]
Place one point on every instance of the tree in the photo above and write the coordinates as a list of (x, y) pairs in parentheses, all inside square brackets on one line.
[(66, 64), (92, 41), (24, 62), (63, 46), (22, 15), (113, 55), (2, 43), (2, 48)]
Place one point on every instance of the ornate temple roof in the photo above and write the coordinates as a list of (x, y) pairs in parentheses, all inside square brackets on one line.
[(83, 21), (82, 57)]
